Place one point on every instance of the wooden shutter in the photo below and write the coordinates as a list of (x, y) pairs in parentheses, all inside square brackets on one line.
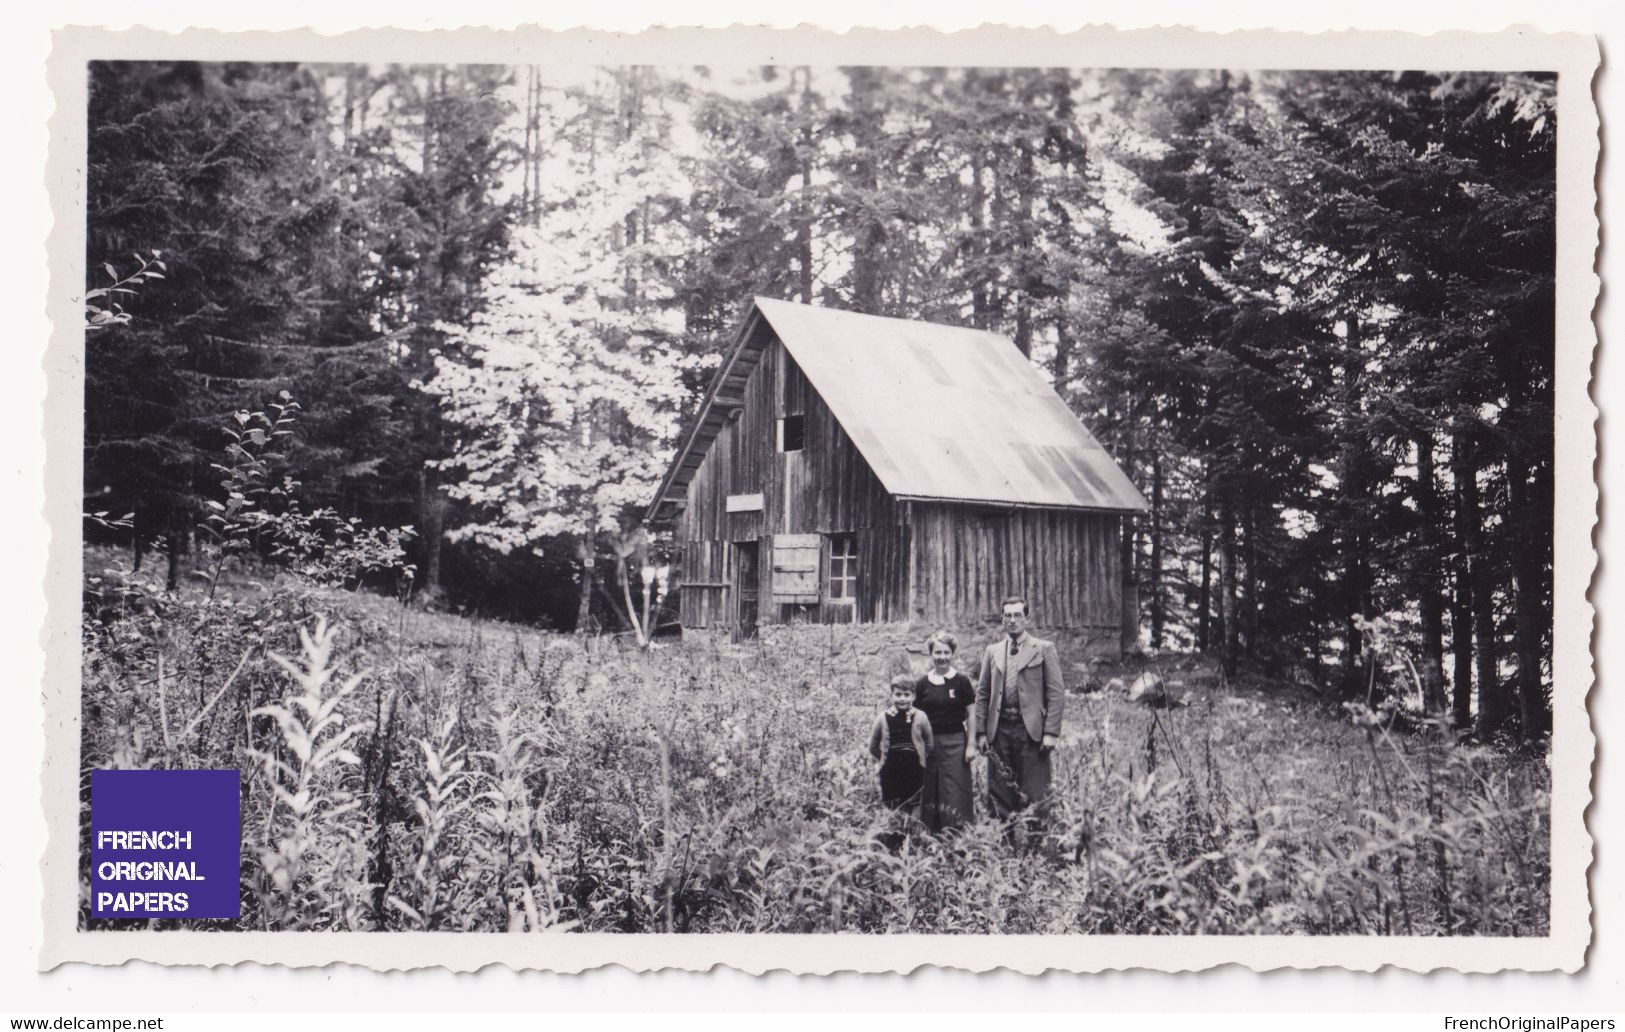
[(795, 567)]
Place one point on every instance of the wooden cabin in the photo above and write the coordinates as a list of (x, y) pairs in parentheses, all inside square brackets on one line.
[(854, 468)]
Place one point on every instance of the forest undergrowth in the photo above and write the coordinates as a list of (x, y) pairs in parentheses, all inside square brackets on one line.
[(405, 769)]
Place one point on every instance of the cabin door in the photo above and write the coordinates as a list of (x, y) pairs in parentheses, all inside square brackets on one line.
[(747, 587)]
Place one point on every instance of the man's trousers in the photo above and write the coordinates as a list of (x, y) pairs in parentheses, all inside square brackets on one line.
[(1018, 772)]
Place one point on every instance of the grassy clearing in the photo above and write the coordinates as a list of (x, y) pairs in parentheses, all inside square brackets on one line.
[(477, 776)]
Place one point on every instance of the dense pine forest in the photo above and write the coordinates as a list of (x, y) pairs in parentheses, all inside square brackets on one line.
[(433, 331)]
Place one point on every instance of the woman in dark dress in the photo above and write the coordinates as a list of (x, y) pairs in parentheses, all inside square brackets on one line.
[(946, 697)]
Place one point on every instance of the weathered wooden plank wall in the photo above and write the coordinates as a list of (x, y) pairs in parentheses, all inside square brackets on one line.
[(967, 559), (826, 488), (703, 582), (883, 555)]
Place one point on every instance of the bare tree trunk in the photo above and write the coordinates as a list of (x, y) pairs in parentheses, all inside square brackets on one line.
[(980, 303), (804, 248), (640, 625), (322, 140), (527, 155), (1129, 620), (432, 519), (1527, 563), (138, 544), (1353, 606), (584, 599), (1431, 580), (347, 123), (1064, 347), (1130, 554), (536, 159), (1461, 608), (1492, 708), (1250, 581), (1227, 588), (176, 539), (1355, 486), (1025, 280), (1156, 551), (869, 234), (1204, 615), (632, 102)]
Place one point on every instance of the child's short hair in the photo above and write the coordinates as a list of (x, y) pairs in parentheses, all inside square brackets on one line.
[(901, 683)]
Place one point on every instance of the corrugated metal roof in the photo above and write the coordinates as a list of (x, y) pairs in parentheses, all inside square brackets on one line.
[(949, 412), (938, 412)]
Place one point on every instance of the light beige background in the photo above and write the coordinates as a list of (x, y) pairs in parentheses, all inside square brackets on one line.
[(19, 913)]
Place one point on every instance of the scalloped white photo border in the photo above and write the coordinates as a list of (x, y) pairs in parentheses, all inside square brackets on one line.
[(1575, 58)]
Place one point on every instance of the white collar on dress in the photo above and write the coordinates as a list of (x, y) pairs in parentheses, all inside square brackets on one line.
[(936, 678)]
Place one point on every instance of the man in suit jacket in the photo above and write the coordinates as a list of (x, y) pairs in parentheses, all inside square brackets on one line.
[(1019, 698)]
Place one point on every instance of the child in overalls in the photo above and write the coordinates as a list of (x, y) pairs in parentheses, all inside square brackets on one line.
[(901, 741)]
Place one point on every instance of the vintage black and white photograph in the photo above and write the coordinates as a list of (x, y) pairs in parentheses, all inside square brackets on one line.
[(884, 499)]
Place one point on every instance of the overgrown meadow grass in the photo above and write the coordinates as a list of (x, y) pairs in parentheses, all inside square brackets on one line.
[(411, 770)]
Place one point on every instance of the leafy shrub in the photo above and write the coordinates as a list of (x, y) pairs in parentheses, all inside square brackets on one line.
[(257, 514)]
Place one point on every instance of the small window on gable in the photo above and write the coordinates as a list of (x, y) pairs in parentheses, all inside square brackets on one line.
[(792, 433), (792, 407), (843, 568)]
